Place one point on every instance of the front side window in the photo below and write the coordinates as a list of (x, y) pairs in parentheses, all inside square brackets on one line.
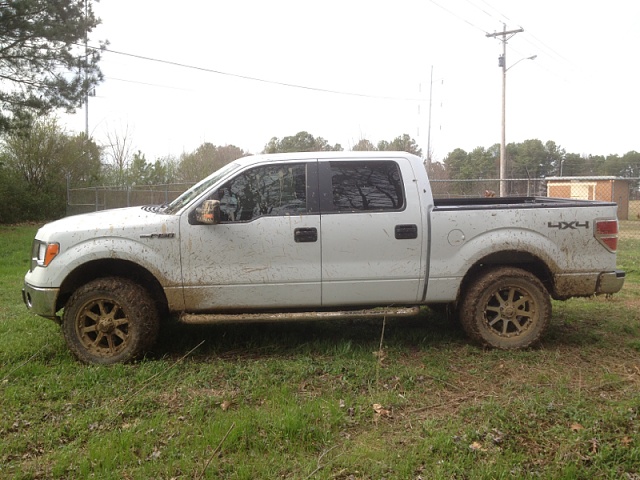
[(199, 188), (270, 190), (366, 186)]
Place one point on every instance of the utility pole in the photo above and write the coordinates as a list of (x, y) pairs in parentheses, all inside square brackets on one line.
[(429, 130), (502, 62), (86, 77)]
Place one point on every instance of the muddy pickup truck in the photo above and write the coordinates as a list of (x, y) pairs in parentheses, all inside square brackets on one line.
[(325, 235)]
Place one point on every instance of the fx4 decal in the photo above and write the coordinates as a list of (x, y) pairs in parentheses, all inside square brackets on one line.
[(157, 235), (565, 225)]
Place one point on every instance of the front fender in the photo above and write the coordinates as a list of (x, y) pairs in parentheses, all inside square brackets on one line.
[(160, 256)]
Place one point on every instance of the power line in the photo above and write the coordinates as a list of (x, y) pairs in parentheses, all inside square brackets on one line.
[(544, 45), (458, 16), (535, 42), (539, 43), (481, 9), (257, 79), (499, 12)]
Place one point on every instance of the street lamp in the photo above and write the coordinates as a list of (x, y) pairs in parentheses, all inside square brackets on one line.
[(532, 57), (502, 62)]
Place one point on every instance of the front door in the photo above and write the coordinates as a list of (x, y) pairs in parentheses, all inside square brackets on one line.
[(266, 250)]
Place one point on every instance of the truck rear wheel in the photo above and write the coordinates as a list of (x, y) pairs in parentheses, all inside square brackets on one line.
[(110, 320), (506, 308)]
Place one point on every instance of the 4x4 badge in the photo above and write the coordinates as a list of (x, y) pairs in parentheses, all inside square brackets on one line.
[(572, 225)]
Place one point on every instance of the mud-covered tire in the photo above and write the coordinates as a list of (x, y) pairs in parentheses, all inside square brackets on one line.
[(110, 320), (506, 308)]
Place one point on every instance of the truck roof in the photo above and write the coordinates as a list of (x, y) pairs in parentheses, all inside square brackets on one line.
[(279, 157)]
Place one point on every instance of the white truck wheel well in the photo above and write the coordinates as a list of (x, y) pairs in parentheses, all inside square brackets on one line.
[(110, 268)]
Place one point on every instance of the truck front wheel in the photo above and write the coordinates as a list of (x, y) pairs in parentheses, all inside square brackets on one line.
[(110, 320), (505, 308)]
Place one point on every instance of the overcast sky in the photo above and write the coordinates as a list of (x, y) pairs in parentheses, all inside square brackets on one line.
[(350, 69)]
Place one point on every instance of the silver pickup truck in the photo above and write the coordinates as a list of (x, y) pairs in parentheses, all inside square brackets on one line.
[(318, 235)]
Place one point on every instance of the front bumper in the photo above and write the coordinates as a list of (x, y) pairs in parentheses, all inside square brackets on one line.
[(41, 301)]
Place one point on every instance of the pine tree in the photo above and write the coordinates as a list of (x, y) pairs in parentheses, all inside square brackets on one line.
[(43, 62)]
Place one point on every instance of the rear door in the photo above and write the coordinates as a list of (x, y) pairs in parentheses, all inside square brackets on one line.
[(371, 234)]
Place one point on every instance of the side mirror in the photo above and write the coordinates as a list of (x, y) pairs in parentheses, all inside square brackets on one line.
[(209, 212)]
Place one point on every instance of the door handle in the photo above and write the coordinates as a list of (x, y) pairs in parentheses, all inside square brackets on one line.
[(406, 232), (301, 235)]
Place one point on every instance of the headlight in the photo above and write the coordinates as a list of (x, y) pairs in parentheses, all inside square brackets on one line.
[(43, 253)]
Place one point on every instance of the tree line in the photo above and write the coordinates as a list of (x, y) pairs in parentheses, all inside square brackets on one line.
[(39, 164), (534, 159)]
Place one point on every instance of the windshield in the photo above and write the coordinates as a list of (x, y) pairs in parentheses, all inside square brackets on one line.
[(199, 188)]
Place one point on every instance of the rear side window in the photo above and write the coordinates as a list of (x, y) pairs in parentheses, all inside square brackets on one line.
[(366, 186)]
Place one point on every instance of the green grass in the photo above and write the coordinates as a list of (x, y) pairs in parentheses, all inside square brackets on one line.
[(297, 400)]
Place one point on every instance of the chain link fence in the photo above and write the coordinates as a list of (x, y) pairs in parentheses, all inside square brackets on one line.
[(483, 187), (93, 199), (624, 191)]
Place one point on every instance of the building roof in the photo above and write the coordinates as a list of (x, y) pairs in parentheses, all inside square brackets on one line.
[(584, 179)]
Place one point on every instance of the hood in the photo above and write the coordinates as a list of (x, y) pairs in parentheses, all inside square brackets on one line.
[(120, 222)]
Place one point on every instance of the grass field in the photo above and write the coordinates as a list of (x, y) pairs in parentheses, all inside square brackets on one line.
[(344, 400)]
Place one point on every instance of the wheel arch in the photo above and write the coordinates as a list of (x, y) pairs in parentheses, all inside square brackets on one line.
[(112, 268), (510, 258)]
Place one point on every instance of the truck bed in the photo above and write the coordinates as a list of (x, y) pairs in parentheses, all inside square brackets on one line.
[(498, 203)]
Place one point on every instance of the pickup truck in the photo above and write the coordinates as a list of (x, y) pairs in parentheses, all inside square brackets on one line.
[(323, 235)]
